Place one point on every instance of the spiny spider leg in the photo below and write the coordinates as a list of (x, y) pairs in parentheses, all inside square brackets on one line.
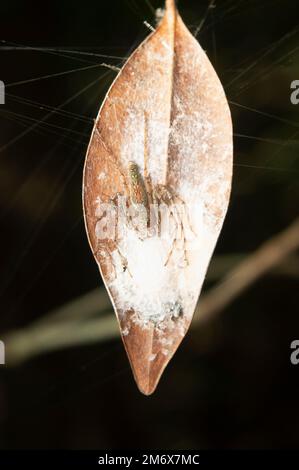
[(186, 212), (102, 244), (180, 228), (166, 196)]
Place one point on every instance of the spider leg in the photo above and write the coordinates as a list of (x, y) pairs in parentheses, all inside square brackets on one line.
[(182, 235), (175, 242), (173, 245), (186, 213), (124, 261), (170, 201), (105, 248)]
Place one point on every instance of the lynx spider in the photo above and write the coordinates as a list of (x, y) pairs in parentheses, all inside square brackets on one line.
[(141, 192)]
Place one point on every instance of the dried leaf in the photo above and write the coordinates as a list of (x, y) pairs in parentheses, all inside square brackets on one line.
[(161, 150)]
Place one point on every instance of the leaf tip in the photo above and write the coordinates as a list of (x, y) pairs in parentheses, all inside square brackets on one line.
[(147, 382), (146, 390)]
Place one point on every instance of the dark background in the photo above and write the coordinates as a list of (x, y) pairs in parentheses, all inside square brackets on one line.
[(231, 384)]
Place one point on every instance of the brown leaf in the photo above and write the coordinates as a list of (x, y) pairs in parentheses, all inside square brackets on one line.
[(163, 138)]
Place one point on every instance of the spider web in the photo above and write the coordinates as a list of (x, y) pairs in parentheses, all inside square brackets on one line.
[(52, 98)]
